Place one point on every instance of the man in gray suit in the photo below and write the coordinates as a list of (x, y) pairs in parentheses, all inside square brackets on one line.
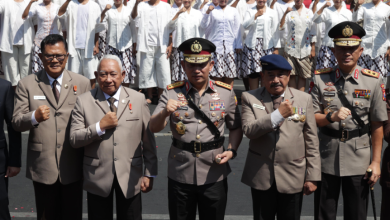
[(283, 161), (111, 122), (43, 104)]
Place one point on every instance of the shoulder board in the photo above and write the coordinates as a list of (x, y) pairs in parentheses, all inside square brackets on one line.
[(224, 85), (175, 85), (321, 71), (370, 73)]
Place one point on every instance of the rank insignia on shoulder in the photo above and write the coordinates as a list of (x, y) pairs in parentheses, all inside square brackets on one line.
[(322, 71), (224, 85), (175, 85), (370, 73)]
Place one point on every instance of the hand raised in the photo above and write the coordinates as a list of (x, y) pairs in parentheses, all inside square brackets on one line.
[(109, 121), (108, 7), (288, 10), (182, 10), (341, 114), (42, 113), (210, 9), (285, 109), (172, 106)]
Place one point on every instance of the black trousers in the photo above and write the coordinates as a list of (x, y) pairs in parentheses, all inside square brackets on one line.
[(270, 203), (185, 198), (385, 183), (355, 194), (58, 201), (4, 202), (101, 208)]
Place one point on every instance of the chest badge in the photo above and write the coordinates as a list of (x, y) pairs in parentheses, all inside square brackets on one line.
[(329, 84), (362, 93), (217, 105), (75, 90), (329, 89)]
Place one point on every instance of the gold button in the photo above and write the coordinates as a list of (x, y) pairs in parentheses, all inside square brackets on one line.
[(345, 92), (343, 125), (217, 117), (181, 117), (198, 136), (200, 121), (213, 114), (200, 106), (361, 104)]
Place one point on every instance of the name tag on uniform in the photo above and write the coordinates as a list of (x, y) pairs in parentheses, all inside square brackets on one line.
[(39, 97), (258, 106)]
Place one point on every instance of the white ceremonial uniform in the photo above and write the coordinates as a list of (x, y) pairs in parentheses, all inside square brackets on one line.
[(16, 40), (82, 60), (280, 7)]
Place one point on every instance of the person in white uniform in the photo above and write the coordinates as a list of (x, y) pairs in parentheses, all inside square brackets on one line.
[(103, 34), (280, 6), (376, 53), (224, 25), (121, 37), (174, 55), (300, 43), (46, 15), (262, 39), (152, 20), (83, 26), (186, 25), (329, 16), (16, 37)]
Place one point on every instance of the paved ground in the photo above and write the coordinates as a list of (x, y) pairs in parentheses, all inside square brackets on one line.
[(155, 203)]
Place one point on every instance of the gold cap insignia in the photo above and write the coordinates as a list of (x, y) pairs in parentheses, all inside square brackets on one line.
[(196, 47), (347, 31)]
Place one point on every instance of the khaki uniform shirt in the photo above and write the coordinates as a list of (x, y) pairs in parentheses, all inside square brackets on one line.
[(351, 157), (184, 166)]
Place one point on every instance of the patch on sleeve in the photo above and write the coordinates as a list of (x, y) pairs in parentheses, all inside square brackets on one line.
[(383, 92), (224, 85), (370, 73), (322, 71), (175, 85)]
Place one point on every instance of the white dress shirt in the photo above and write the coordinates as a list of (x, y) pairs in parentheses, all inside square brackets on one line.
[(104, 3), (187, 26), (82, 25), (47, 20), (18, 23), (265, 26), (376, 24), (225, 26), (242, 7), (94, 26), (8, 29), (280, 7), (116, 96), (321, 30), (300, 32), (276, 117), (142, 23), (58, 86), (174, 11), (120, 33), (330, 17)]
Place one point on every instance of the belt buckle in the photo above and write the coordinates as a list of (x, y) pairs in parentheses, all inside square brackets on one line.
[(343, 138), (197, 152)]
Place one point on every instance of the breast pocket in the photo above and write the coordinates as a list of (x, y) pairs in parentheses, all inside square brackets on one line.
[(361, 106), (217, 117)]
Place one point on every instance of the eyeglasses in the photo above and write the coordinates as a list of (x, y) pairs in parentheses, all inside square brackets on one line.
[(59, 57)]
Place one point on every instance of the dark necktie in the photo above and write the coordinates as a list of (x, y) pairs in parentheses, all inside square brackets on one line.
[(276, 100), (55, 91), (111, 100)]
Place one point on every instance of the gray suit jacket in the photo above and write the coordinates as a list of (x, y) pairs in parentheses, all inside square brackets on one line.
[(121, 150), (288, 154), (49, 154)]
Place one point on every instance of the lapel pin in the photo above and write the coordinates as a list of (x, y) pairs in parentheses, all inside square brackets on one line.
[(66, 86), (131, 108), (74, 89)]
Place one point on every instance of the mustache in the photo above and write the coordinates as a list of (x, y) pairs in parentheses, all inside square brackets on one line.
[(276, 84)]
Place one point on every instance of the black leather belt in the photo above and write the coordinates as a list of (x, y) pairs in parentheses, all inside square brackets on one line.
[(344, 134), (198, 147)]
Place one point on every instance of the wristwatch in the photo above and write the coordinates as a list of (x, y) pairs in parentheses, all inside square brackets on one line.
[(328, 117), (234, 152)]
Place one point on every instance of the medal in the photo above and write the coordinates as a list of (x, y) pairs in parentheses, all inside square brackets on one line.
[(75, 90), (223, 114), (329, 89), (177, 114), (186, 114), (180, 128), (216, 123), (329, 84), (328, 99), (362, 93), (131, 108), (327, 110)]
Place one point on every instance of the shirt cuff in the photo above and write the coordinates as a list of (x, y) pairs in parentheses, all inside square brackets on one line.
[(150, 176), (98, 130), (276, 118), (33, 120)]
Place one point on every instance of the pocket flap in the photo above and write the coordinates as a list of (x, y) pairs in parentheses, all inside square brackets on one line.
[(91, 161), (132, 119), (71, 103)]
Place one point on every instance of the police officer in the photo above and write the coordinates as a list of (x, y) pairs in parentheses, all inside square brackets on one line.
[(197, 111), (349, 106)]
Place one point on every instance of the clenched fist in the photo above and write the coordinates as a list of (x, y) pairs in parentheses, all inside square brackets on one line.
[(42, 113), (108, 7), (172, 106), (288, 10), (210, 9), (285, 109), (327, 4), (182, 10), (259, 13), (341, 114), (109, 121)]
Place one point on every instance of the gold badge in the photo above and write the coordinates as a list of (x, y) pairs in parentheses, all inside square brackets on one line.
[(180, 128), (347, 31), (196, 47)]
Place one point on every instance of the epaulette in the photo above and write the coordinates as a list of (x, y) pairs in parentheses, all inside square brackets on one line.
[(322, 71), (224, 85), (370, 73), (175, 85)]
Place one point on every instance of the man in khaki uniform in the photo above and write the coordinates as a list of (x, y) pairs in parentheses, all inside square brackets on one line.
[(283, 161), (197, 111), (349, 106), (43, 104), (111, 122)]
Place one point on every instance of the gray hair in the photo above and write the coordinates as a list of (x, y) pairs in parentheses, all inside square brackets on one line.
[(111, 57)]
